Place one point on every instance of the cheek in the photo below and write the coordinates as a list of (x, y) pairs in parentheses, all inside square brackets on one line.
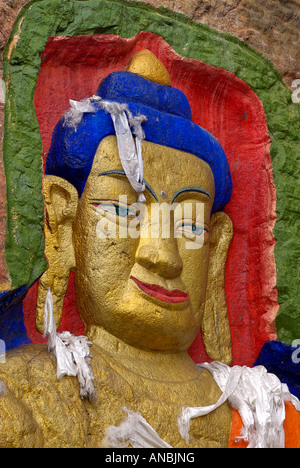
[(195, 274), (102, 263)]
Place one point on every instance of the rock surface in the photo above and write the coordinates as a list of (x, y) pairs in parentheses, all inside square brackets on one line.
[(270, 27)]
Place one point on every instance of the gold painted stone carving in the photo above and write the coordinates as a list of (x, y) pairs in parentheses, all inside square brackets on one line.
[(142, 298), (145, 64)]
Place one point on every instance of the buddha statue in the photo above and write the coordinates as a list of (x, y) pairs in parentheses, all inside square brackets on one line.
[(142, 298)]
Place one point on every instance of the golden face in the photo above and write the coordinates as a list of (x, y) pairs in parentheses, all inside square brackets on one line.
[(140, 275)]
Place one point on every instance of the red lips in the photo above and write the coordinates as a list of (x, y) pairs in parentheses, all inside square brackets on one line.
[(161, 293)]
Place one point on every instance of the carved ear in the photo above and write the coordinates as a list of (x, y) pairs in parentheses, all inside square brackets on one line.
[(215, 325), (61, 200)]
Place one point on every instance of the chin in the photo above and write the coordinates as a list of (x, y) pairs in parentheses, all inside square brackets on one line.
[(155, 327)]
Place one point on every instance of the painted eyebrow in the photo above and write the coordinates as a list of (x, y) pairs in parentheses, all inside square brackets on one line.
[(120, 172), (191, 189)]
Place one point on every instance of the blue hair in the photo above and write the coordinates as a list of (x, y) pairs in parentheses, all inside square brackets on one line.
[(169, 123)]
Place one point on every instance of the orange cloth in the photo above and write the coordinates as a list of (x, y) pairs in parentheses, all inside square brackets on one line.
[(236, 429), (291, 428)]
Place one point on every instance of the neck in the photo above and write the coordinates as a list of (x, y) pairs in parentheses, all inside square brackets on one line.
[(155, 365)]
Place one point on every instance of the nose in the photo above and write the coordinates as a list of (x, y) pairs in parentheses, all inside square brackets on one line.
[(160, 256)]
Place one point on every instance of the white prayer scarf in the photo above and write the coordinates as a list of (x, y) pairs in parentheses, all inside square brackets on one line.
[(125, 125), (257, 395), (134, 431), (72, 352)]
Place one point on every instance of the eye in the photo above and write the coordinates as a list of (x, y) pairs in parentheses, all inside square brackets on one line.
[(122, 211), (191, 229), (116, 209), (197, 230)]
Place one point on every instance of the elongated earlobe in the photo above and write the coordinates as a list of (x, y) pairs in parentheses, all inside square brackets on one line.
[(215, 325), (61, 200)]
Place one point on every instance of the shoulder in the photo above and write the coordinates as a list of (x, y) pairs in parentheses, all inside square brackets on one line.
[(25, 365), (17, 425), (35, 405), (26, 371)]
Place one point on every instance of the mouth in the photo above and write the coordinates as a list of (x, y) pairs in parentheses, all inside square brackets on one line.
[(175, 296)]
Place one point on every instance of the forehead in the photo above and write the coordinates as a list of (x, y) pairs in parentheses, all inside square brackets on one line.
[(164, 168)]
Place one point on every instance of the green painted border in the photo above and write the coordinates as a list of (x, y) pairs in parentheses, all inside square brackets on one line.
[(22, 143)]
